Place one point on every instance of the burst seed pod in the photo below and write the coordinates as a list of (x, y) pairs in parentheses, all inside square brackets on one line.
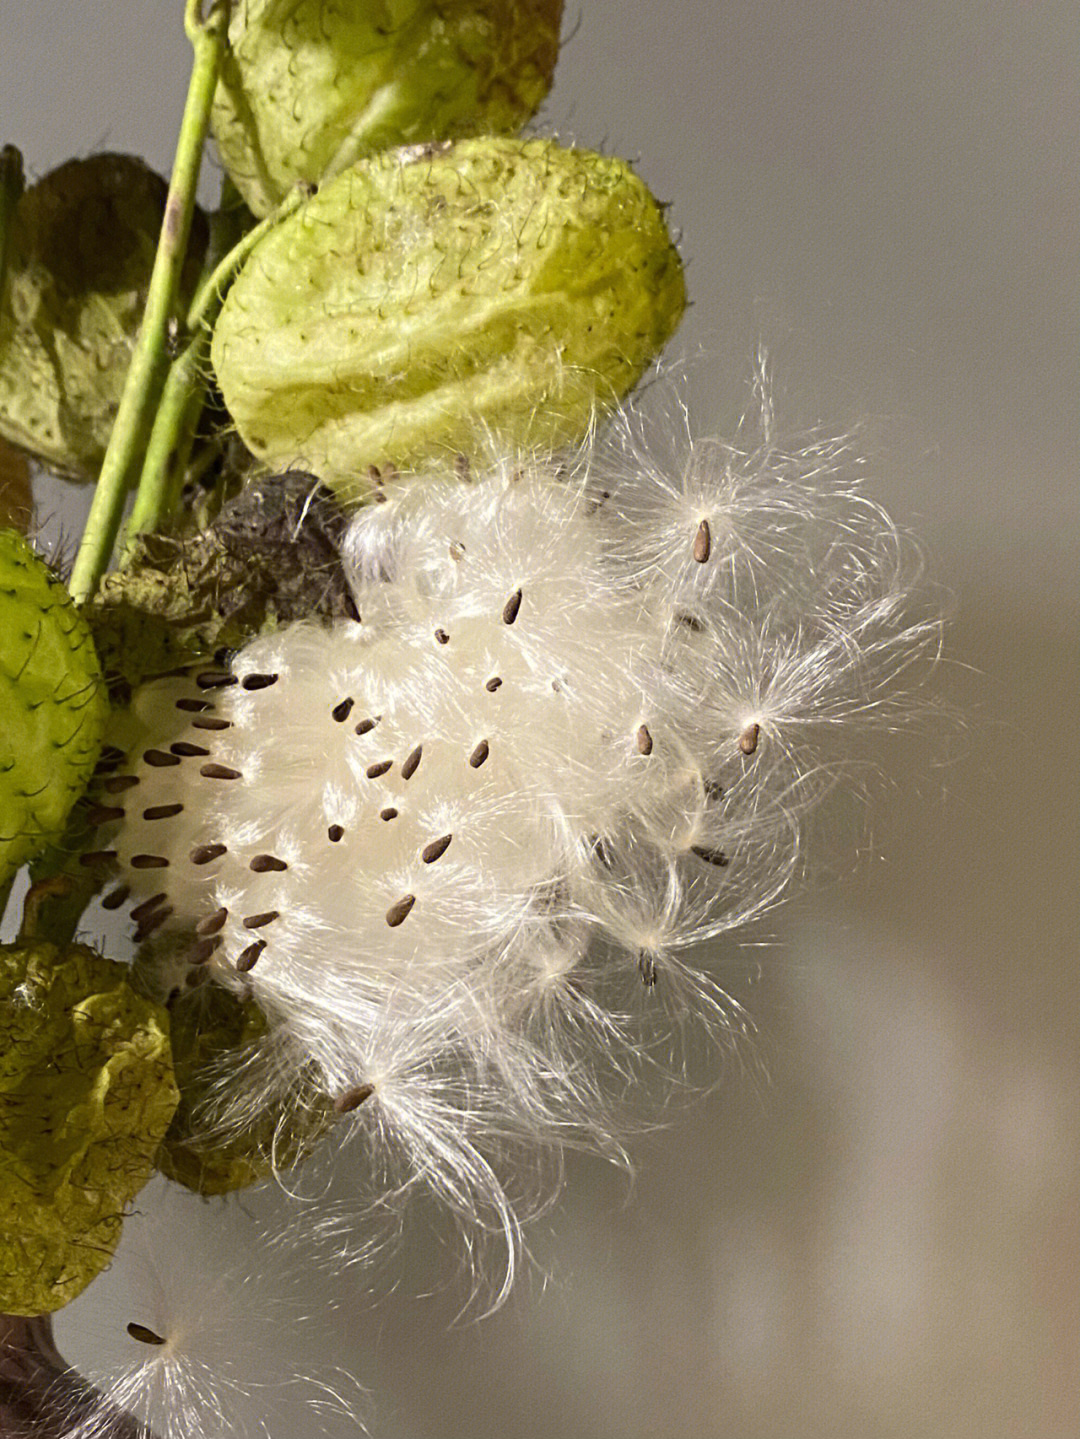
[(309, 88), (52, 704), (80, 252), (423, 299), (86, 1095)]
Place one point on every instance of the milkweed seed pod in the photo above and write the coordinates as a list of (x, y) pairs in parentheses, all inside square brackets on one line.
[(214, 1034), (571, 731), (53, 704), (80, 252), (86, 1095), (308, 87), (429, 296)]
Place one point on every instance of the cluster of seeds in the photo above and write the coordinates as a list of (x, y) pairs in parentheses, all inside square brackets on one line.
[(566, 734)]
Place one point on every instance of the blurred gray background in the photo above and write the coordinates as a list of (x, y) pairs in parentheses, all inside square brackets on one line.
[(870, 1228)]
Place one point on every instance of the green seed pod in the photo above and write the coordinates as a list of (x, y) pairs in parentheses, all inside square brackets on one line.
[(80, 250), (53, 704), (427, 297), (86, 1094), (212, 1034), (309, 87)]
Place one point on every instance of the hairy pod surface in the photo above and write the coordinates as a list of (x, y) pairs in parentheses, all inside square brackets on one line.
[(308, 88), (86, 1095), (81, 251), (52, 704), (428, 298)]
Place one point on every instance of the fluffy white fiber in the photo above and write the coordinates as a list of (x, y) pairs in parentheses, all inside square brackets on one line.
[(458, 849)]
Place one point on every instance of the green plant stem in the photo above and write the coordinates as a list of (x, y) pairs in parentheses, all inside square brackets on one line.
[(149, 359), (169, 447), (11, 188)]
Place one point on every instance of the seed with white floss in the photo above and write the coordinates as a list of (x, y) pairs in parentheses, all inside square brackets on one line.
[(451, 963)]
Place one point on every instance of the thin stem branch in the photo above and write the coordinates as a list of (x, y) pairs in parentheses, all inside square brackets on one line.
[(169, 446), (149, 358)]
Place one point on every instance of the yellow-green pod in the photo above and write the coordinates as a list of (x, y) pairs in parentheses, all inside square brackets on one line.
[(429, 299), (310, 86)]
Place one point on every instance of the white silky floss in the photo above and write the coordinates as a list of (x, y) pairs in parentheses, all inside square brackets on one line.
[(573, 732)]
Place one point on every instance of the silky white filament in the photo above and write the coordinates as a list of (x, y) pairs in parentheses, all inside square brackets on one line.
[(458, 848)]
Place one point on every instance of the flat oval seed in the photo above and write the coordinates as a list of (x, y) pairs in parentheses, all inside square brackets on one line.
[(149, 861), (259, 921), (120, 783), (212, 923), (365, 726), (493, 684), (375, 770), (353, 1098), (398, 911), (412, 762), (703, 542), (258, 682), (266, 864), (436, 849), (186, 750), (510, 609), (480, 754), (248, 957), (441, 637), (335, 833), (644, 740), (208, 722), (214, 681), (140, 912), (342, 711), (115, 898), (104, 813), (144, 1335), (158, 759), (219, 771), (162, 811), (389, 813), (748, 740), (204, 853), (194, 707)]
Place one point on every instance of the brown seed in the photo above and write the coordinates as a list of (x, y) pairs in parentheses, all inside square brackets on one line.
[(195, 707), (480, 754), (267, 864), (104, 813), (158, 759), (120, 783), (259, 921), (147, 907), (144, 1335), (710, 856), (748, 740), (258, 682), (96, 856), (644, 740), (210, 723), (442, 637), (375, 770), (214, 680), (389, 813), (342, 711), (212, 923), (151, 922), (116, 897), (162, 811), (703, 542), (149, 861), (335, 833), (457, 550), (493, 684), (219, 771), (248, 957), (202, 952), (353, 1098), (186, 750), (398, 911), (436, 849), (366, 726), (412, 762), (510, 609), (204, 853)]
